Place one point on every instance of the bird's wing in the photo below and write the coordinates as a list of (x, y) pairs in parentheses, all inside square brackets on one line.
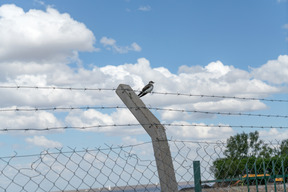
[(149, 89), (145, 88)]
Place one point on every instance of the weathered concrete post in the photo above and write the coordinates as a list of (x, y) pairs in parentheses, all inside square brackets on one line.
[(157, 133)]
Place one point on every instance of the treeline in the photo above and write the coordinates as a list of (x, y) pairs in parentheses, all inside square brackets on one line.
[(246, 153)]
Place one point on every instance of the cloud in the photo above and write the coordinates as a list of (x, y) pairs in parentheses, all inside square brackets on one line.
[(274, 71), (277, 134), (219, 79), (42, 141), (230, 105), (40, 36), (143, 150), (93, 117), (144, 8), (110, 44), (28, 120), (199, 132), (36, 47), (40, 2), (213, 79)]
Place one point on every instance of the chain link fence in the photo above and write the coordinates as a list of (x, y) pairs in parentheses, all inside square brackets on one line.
[(127, 168)]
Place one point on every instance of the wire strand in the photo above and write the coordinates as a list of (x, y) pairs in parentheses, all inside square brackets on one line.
[(154, 92), (137, 124), (221, 96), (151, 108), (55, 88)]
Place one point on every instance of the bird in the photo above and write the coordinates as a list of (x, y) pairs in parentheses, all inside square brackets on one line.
[(147, 89)]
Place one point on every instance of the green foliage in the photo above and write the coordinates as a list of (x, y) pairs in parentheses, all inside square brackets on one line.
[(236, 168), (245, 152), (284, 147), (244, 145)]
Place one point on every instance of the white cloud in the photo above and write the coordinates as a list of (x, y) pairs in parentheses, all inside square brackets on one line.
[(213, 79), (217, 68), (145, 8), (143, 150), (135, 47), (230, 105), (28, 120), (35, 45), (42, 141), (128, 140), (199, 131), (40, 36), (110, 44), (93, 117), (218, 79), (225, 105), (274, 71), (204, 80), (107, 41), (40, 2), (277, 134)]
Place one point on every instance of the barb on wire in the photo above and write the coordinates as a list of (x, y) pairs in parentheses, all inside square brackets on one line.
[(154, 92), (137, 124)]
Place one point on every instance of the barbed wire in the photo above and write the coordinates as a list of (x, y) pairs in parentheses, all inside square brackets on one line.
[(220, 96), (58, 108), (138, 124), (55, 88), (218, 113), (151, 108), (153, 92)]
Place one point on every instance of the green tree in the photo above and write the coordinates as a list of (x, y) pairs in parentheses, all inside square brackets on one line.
[(266, 151), (255, 144), (244, 145), (244, 152), (237, 146), (284, 147)]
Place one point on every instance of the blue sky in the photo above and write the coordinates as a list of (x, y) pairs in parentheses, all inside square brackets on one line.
[(235, 48), (239, 33)]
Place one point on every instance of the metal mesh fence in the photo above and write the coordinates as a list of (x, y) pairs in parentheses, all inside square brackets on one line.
[(129, 168)]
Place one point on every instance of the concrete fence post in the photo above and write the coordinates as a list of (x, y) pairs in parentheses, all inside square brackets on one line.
[(158, 136)]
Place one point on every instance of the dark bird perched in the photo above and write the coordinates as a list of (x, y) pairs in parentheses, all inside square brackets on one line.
[(147, 89)]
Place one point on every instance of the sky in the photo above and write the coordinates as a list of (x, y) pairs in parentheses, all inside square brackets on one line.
[(202, 47)]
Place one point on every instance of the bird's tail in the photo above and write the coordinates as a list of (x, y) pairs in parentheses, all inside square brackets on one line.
[(142, 94)]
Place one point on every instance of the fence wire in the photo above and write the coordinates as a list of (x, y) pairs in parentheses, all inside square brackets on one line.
[(153, 92), (151, 108), (130, 168), (167, 125)]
